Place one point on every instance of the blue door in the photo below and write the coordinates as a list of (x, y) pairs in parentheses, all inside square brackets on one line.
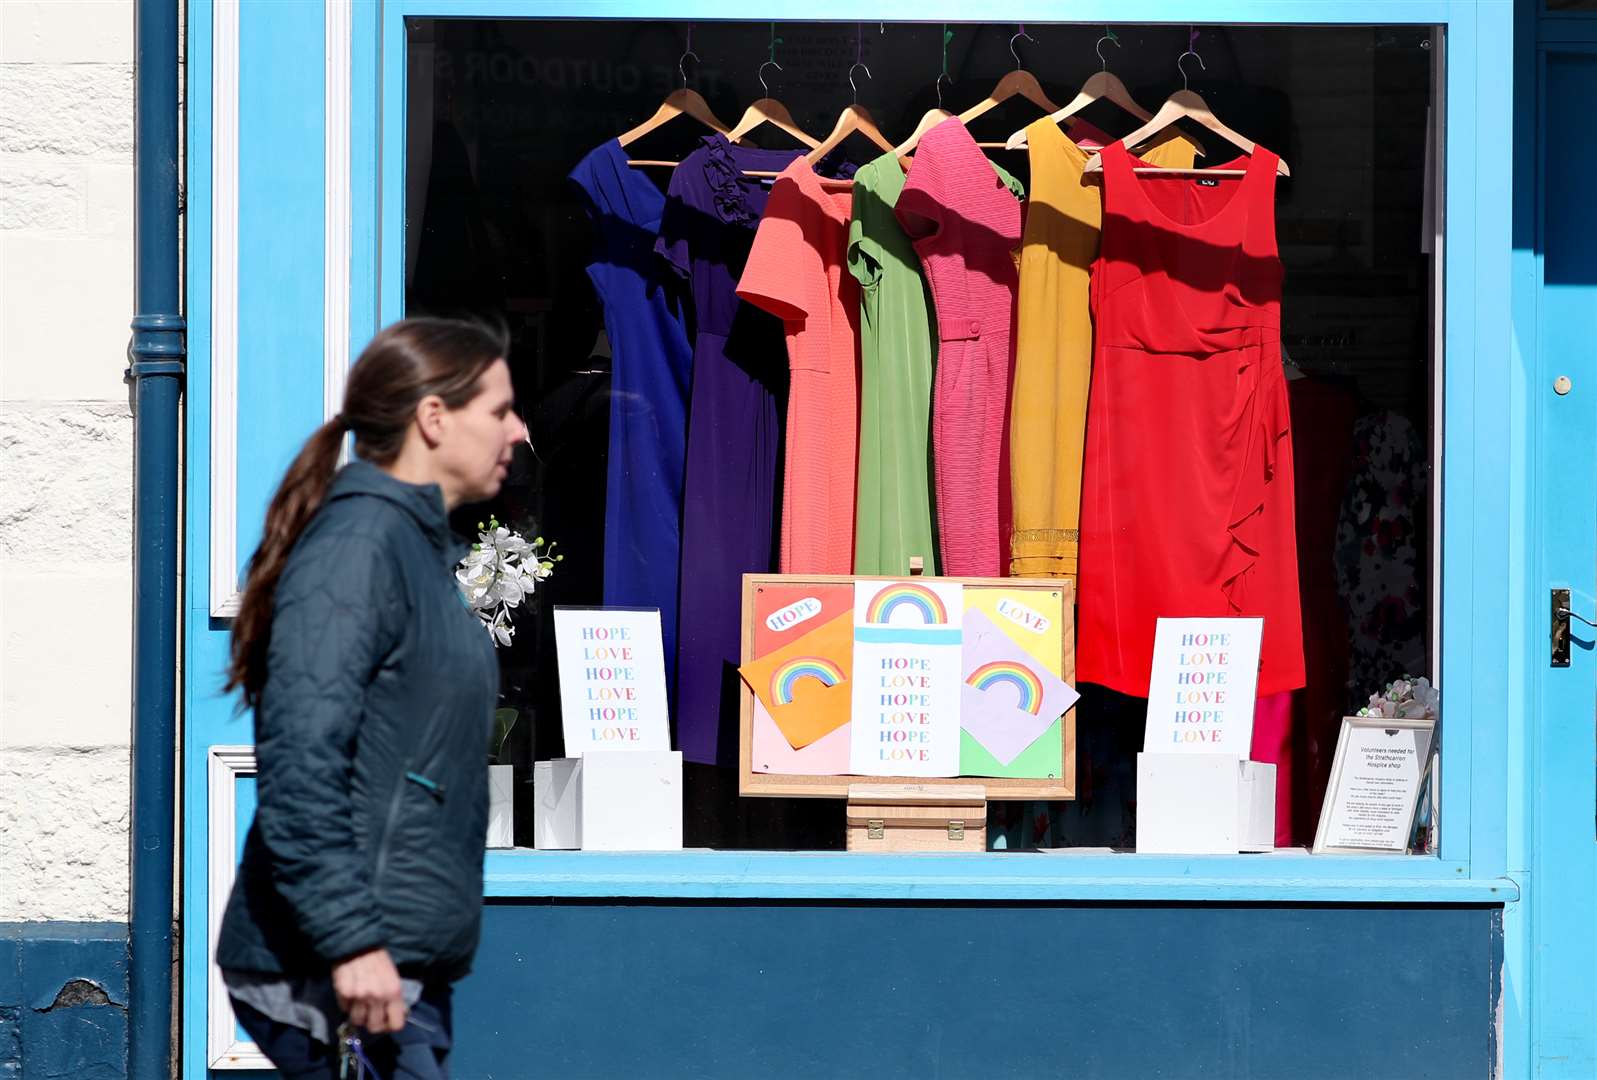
[(1562, 844)]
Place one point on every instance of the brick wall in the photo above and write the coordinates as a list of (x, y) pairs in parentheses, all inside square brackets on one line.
[(66, 295)]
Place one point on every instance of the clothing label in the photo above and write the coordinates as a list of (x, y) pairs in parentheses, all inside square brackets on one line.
[(1208, 181)]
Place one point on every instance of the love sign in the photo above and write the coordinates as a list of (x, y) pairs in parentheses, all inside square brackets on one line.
[(612, 679), (1200, 696)]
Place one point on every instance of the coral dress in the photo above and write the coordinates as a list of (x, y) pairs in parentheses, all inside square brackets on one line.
[(797, 271), (1187, 501)]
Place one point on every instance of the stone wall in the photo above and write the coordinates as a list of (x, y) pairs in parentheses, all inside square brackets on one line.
[(66, 461)]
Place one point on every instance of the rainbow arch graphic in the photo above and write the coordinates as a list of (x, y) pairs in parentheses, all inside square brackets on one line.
[(1018, 675), (786, 677), (919, 597)]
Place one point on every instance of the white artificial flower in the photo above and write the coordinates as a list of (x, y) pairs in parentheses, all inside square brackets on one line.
[(500, 572), (1405, 699)]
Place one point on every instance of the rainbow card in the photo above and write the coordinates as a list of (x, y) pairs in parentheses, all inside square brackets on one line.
[(804, 685), (1008, 699), (906, 678)]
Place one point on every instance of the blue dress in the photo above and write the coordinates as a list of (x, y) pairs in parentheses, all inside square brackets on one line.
[(652, 361)]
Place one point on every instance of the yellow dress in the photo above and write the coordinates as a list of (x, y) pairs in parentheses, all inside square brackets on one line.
[(1053, 351)]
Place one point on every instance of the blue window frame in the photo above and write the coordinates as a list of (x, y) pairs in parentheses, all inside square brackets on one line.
[(1485, 639), (1476, 522)]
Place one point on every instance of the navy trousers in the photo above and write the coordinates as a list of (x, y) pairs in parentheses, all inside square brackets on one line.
[(419, 1051)]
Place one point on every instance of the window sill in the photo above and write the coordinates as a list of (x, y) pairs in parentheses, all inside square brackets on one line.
[(1290, 876)]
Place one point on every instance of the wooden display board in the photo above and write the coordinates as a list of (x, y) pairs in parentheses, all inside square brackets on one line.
[(762, 591)]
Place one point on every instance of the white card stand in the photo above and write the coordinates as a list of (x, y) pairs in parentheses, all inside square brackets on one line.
[(631, 800), (1204, 804), (556, 792), (1256, 806), (501, 806)]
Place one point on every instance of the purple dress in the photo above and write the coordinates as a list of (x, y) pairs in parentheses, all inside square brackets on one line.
[(734, 432)]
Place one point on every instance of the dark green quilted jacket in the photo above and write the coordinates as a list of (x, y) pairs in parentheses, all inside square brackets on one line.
[(371, 744)]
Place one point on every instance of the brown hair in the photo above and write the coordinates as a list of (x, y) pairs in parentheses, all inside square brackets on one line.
[(406, 362)]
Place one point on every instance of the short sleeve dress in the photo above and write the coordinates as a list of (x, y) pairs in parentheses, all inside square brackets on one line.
[(734, 431), (894, 519), (1053, 346), (964, 218), (651, 361), (796, 271)]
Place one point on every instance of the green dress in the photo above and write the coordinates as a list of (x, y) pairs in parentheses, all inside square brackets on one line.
[(894, 516)]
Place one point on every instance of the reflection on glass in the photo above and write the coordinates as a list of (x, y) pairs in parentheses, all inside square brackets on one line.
[(502, 111)]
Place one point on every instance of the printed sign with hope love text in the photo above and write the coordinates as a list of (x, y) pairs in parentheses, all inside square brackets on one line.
[(1200, 696), (612, 679)]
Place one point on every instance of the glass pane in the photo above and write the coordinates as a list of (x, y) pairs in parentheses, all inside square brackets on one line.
[(502, 111)]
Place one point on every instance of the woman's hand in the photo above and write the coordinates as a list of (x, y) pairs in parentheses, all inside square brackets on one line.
[(367, 985)]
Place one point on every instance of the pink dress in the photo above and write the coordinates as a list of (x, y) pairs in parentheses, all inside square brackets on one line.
[(964, 221)]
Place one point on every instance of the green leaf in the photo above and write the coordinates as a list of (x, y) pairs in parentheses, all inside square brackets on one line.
[(504, 722)]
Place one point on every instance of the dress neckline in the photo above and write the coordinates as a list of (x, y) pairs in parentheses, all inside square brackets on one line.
[(809, 181), (723, 167), (642, 199), (1122, 158)]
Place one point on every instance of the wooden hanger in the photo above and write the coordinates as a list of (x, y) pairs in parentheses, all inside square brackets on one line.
[(1018, 83), (768, 110), (1102, 85), (931, 119), (683, 102), (1185, 103), (854, 119)]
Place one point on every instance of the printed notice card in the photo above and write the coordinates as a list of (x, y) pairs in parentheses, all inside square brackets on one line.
[(907, 678), (1200, 698), (612, 679), (1375, 784)]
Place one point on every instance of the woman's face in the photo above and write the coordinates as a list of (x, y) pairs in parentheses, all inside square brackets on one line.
[(476, 440)]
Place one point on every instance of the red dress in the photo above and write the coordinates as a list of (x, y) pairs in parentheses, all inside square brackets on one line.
[(1187, 506)]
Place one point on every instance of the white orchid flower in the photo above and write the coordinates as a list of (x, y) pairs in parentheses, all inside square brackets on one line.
[(500, 573)]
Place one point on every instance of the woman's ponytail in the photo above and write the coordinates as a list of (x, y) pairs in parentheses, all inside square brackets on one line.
[(299, 496), (406, 362)]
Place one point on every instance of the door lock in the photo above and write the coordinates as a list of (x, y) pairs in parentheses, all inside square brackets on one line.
[(1560, 632)]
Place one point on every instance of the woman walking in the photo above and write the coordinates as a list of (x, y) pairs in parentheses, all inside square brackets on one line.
[(358, 901)]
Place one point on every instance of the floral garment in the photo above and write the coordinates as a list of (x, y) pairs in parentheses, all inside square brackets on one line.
[(1379, 552)]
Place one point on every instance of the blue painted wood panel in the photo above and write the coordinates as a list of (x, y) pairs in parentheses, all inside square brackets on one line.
[(1563, 885), (665, 990), (281, 183)]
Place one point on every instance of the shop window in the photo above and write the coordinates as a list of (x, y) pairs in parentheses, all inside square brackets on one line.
[(502, 111)]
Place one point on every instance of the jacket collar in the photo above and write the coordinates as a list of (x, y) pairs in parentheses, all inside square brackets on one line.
[(423, 502)]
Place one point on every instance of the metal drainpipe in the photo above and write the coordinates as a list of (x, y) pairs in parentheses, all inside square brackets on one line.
[(156, 355)]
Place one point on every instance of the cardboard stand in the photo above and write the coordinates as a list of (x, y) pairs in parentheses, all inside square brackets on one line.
[(556, 821), (609, 800), (1204, 804), (501, 806)]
